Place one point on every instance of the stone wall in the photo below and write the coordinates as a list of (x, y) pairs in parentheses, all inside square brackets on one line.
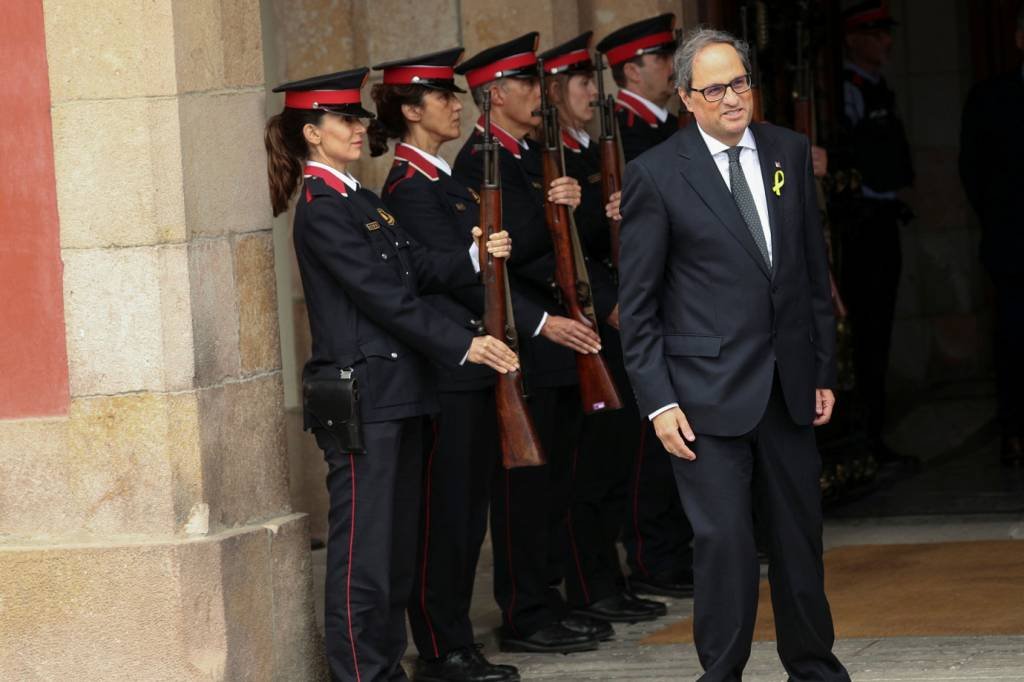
[(149, 534)]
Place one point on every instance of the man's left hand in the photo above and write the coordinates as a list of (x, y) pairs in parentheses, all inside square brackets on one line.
[(824, 401)]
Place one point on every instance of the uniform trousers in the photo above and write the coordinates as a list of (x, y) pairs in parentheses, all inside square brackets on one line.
[(528, 511), (870, 263), (774, 469), (601, 480), (1009, 360), (371, 549), (463, 454)]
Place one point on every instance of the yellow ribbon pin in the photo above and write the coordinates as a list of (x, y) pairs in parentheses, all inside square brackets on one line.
[(780, 180)]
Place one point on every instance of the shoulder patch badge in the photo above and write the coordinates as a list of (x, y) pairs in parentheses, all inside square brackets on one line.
[(476, 197), (388, 218)]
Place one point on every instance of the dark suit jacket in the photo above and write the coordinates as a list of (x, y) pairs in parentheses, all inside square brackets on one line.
[(992, 168), (532, 265), (360, 276), (704, 322), (440, 212)]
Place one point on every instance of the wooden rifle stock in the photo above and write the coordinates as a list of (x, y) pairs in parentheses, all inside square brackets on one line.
[(520, 446), (597, 389), (611, 157)]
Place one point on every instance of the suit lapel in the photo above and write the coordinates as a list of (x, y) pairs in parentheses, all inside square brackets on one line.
[(700, 171), (767, 155)]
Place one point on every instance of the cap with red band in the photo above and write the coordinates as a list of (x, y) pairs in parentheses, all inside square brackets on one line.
[(335, 92), (570, 56), (643, 37), (865, 16), (514, 59), (435, 70)]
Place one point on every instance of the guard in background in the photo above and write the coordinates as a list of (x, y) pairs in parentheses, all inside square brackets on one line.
[(992, 173), (417, 106), (360, 275), (640, 57), (603, 461), (529, 504), (873, 161), (656, 532)]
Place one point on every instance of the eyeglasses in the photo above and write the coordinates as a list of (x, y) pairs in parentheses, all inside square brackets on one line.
[(715, 92)]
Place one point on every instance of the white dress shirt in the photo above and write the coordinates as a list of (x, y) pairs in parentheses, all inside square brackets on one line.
[(751, 166), (660, 112)]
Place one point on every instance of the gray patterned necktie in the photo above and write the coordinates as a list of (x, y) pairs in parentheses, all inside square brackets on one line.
[(745, 202)]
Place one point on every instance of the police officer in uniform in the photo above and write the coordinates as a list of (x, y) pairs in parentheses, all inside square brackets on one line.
[(361, 273), (656, 532), (529, 504), (418, 107), (603, 461), (873, 146), (640, 57)]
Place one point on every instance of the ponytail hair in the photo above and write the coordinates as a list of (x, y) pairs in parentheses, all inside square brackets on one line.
[(286, 153), (390, 123)]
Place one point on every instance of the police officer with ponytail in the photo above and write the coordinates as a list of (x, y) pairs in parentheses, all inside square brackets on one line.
[(368, 384)]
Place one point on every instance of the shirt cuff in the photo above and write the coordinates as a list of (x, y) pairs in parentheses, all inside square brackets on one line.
[(543, 319), (668, 407), (466, 356), (474, 255)]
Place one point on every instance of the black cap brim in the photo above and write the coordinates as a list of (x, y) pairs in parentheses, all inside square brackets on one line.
[(353, 110)]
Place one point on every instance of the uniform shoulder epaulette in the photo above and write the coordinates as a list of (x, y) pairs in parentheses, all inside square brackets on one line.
[(319, 182)]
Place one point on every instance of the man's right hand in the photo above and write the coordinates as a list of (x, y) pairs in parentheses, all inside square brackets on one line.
[(571, 334), (674, 432)]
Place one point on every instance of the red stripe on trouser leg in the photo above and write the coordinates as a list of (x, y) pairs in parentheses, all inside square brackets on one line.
[(636, 498), (426, 547), (348, 578), (572, 537), (508, 550)]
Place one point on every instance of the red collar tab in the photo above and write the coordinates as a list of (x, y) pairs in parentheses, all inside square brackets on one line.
[(621, 53), (571, 142), (415, 159), (510, 143), (495, 70), (410, 75), (630, 102), (566, 60), (333, 181), (313, 99)]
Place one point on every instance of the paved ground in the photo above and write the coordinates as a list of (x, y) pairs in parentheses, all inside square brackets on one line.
[(954, 435)]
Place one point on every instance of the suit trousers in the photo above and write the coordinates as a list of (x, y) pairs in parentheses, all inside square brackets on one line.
[(1008, 341), (371, 549), (528, 511), (774, 469), (602, 464), (463, 455)]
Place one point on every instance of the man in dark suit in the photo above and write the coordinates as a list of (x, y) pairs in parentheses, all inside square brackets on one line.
[(730, 345), (992, 172)]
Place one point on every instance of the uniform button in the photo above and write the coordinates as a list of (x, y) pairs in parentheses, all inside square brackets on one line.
[(384, 256), (396, 243), (394, 355)]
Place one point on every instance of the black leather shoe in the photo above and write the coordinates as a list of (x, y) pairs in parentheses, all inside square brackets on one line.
[(618, 609), (599, 629), (661, 585), (550, 639), (463, 665), (656, 607)]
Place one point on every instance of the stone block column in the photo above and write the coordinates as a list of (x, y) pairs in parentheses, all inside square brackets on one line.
[(148, 533)]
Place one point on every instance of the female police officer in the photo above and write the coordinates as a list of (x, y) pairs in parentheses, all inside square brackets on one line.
[(360, 274)]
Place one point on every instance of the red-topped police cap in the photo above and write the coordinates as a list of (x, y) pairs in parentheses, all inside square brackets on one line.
[(338, 93), (515, 59), (569, 57), (649, 36), (435, 70), (865, 16)]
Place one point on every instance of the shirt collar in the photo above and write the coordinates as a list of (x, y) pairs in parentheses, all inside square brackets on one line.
[(871, 77), (660, 112), (438, 162), (512, 144), (347, 178), (718, 147), (580, 135)]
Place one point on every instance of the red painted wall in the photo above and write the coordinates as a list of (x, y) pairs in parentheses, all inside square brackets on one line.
[(33, 356)]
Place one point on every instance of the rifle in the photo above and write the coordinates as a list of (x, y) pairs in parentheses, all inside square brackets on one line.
[(611, 159), (520, 446), (597, 389), (757, 44)]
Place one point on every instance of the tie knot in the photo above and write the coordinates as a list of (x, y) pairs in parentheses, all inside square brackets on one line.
[(734, 154)]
